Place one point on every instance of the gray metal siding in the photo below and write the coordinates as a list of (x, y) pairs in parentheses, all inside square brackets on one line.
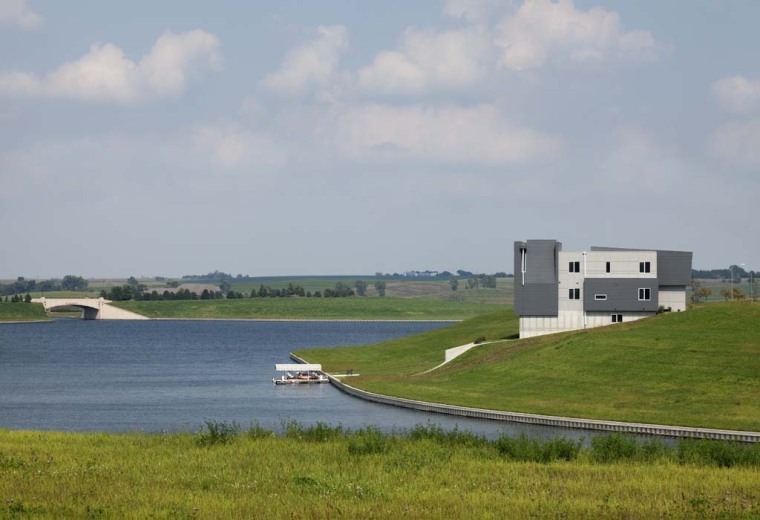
[(622, 294), (538, 296), (674, 268), (542, 262), (540, 299)]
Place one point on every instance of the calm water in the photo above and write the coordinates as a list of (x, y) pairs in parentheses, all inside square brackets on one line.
[(118, 376)]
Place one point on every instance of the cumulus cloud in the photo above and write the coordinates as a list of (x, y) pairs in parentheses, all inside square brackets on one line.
[(312, 64), (231, 145), (737, 94), (736, 143), (429, 59), (106, 74), (449, 134), (541, 28), (16, 12)]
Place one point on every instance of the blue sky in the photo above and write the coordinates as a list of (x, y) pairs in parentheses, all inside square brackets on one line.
[(339, 137)]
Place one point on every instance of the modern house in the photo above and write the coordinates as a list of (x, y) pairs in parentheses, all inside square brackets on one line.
[(557, 291)]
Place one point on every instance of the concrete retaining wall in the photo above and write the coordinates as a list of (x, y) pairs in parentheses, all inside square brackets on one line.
[(548, 420)]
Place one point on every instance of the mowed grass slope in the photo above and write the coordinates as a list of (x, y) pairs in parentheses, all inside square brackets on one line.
[(406, 356), (311, 308), (698, 368), (22, 312)]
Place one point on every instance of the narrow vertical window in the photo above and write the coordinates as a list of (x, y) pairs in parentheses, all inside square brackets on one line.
[(608, 267)]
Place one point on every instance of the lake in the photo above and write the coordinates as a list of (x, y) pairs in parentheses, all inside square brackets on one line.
[(123, 376)]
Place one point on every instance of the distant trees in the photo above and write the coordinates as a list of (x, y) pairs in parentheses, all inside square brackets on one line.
[(73, 283), (380, 287), (361, 287), (736, 294), (454, 283), (486, 281)]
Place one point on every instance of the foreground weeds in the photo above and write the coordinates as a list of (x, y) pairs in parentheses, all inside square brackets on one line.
[(321, 471)]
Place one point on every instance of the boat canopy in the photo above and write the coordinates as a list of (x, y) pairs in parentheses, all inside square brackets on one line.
[(297, 367)]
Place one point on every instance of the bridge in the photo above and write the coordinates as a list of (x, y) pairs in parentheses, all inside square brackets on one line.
[(92, 309)]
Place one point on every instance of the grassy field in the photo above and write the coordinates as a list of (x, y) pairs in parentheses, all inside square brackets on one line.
[(697, 368), (312, 308), (321, 473), (21, 312)]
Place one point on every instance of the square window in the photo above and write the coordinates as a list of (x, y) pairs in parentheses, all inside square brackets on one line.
[(574, 294), (617, 318), (645, 267), (575, 267), (645, 294)]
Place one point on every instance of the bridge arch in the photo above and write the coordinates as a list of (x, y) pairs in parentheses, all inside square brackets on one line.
[(92, 309)]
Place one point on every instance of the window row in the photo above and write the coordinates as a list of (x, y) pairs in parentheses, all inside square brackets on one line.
[(644, 267), (645, 295)]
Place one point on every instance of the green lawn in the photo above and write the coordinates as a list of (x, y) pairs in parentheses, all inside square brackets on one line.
[(312, 308), (697, 368), (21, 312)]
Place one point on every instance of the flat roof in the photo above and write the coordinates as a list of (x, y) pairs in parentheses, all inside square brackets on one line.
[(297, 367)]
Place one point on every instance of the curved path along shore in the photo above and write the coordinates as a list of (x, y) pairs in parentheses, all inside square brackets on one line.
[(547, 420)]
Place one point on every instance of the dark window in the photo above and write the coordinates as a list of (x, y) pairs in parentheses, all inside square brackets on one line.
[(645, 267), (600, 297), (608, 267), (574, 294), (617, 318), (575, 267), (645, 294)]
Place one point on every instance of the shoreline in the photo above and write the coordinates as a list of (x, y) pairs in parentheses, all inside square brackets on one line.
[(601, 425)]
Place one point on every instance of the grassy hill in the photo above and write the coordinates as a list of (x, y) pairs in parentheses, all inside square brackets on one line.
[(697, 368), (312, 308), (21, 312)]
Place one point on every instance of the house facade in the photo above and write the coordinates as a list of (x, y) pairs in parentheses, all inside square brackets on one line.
[(557, 291)]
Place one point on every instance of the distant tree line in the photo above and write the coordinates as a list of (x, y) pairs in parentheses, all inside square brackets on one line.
[(22, 285), (460, 273), (737, 271), (17, 298)]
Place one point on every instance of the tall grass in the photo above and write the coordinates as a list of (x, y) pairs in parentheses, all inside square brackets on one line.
[(329, 472)]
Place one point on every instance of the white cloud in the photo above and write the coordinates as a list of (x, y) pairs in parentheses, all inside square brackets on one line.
[(736, 143), (312, 64), (449, 134), (429, 59), (231, 145), (15, 12), (737, 94), (106, 74), (541, 28)]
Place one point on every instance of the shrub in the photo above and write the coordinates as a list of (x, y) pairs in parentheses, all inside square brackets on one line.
[(613, 447), (523, 448), (217, 433), (369, 441), (256, 431), (704, 452)]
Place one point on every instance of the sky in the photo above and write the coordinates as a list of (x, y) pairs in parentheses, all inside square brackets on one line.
[(287, 137)]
